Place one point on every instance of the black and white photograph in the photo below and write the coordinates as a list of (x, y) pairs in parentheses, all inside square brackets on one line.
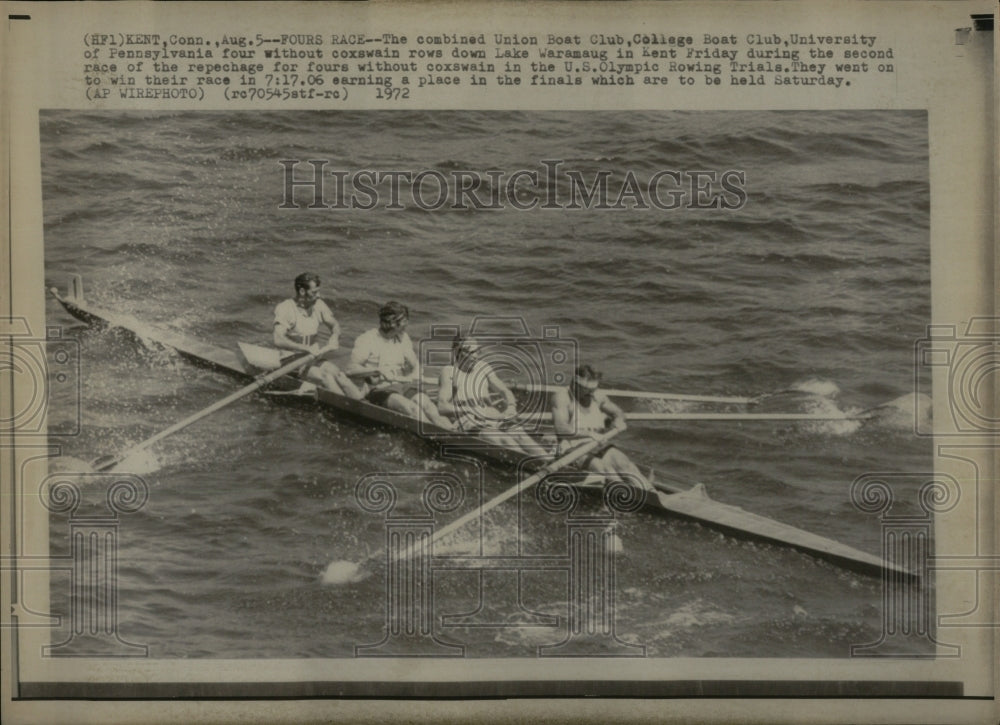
[(558, 362), (457, 298)]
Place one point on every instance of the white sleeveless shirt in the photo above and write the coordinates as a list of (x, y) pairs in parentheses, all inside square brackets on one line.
[(587, 419)]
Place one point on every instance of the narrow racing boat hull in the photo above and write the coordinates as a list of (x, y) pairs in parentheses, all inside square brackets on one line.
[(691, 503)]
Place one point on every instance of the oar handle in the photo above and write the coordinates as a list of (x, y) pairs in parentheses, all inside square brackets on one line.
[(257, 384), (365, 372), (565, 460), (427, 380)]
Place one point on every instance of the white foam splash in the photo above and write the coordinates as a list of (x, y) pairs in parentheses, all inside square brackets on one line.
[(660, 405), (139, 463), (146, 334), (342, 572), (69, 464), (694, 614), (817, 386), (826, 406), (907, 412), (616, 545)]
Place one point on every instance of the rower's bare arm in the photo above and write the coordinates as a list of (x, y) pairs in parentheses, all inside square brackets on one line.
[(445, 401), (334, 342), (560, 414), (499, 386), (412, 365), (372, 376), (358, 366), (610, 409), (360, 371)]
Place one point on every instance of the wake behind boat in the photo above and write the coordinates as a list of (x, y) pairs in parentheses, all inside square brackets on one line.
[(690, 501)]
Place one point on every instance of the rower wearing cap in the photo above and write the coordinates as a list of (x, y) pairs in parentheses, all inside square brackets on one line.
[(469, 389), (384, 358), (581, 411), (296, 327)]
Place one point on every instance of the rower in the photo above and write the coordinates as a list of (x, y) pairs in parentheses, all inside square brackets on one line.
[(296, 325), (466, 391), (581, 412), (384, 358)]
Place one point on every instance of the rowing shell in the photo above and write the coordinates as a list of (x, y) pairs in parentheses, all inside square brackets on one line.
[(688, 502)]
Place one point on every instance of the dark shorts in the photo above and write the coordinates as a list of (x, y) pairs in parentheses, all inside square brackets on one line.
[(381, 395)]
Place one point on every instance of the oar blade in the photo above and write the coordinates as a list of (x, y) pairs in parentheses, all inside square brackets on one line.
[(104, 463), (141, 462)]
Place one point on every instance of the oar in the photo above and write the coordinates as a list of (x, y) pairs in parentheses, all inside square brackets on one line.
[(105, 463), (743, 416), (756, 400), (682, 396), (341, 572), (649, 395), (730, 416), (365, 372)]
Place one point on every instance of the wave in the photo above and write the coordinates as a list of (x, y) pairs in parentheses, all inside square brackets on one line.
[(250, 153)]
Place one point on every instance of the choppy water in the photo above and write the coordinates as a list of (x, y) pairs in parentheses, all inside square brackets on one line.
[(821, 282)]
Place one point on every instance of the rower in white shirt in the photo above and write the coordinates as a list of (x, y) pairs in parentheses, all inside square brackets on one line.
[(296, 327), (384, 358)]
